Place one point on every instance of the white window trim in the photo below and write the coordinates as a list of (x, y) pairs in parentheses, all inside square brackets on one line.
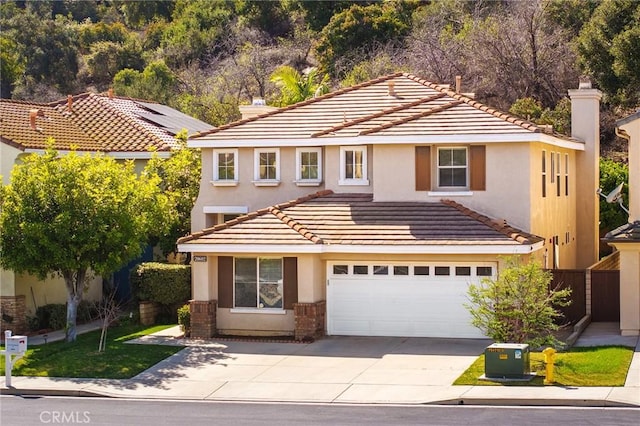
[(308, 182), (225, 209), (365, 173), (256, 167), (216, 179), (464, 188)]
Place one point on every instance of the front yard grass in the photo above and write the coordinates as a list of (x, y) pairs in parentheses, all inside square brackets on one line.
[(588, 366), (81, 358)]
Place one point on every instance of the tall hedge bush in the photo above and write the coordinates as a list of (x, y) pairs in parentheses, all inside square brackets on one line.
[(164, 283)]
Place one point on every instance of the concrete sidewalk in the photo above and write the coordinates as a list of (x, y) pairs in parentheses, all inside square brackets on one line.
[(364, 370)]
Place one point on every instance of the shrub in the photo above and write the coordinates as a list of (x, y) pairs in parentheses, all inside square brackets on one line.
[(184, 319), (87, 311), (53, 315), (164, 283)]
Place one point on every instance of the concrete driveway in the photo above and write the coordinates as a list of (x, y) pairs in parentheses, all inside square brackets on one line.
[(333, 369)]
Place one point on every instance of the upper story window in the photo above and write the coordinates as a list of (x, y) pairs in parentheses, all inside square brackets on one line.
[(225, 167), (459, 169), (452, 168), (308, 166), (267, 166), (558, 181), (353, 165)]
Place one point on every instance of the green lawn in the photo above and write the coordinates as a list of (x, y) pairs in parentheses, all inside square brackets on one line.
[(81, 358), (592, 366)]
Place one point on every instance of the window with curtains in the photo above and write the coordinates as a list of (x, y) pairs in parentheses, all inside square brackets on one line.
[(450, 168), (353, 165), (258, 283), (225, 166), (267, 166)]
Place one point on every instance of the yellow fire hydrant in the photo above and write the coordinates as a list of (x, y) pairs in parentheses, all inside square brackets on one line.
[(549, 355)]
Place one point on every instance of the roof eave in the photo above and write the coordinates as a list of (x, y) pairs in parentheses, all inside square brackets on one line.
[(461, 249), (380, 139)]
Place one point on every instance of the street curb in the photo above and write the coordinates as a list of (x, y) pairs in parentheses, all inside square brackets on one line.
[(513, 402), (53, 392), (534, 402)]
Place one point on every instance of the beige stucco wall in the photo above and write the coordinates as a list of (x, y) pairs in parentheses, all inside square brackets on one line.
[(52, 290), (554, 215), (629, 288), (312, 273), (507, 181), (8, 157)]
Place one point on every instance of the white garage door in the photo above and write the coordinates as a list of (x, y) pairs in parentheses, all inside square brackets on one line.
[(426, 300)]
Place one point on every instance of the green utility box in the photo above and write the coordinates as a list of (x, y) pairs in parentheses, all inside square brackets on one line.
[(506, 361)]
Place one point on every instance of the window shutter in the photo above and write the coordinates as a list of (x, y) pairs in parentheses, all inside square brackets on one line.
[(290, 281), (423, 168), (225, 281), (478, 168)]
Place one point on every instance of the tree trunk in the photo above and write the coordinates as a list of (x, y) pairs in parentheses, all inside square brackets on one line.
[(72, 312), (75, 282)]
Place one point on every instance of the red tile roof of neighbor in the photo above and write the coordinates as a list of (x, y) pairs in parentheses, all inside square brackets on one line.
[(395, 105), (93, 122), (355, 219)]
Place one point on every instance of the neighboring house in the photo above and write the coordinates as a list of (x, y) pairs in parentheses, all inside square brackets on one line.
[(626, 239), (123, 128), (402, 193)]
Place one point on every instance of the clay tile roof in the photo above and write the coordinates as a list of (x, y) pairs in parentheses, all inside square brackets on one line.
[(95, 122), (329, 218), (395, 105)]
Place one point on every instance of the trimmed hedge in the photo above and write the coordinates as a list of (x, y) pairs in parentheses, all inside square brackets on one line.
[(163, 283)]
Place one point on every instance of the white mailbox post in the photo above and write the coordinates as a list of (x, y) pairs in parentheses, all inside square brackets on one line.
[(13, 346)]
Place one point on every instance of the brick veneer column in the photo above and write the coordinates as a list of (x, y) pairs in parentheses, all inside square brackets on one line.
[(309, 319), (203, 318), (13, 314)]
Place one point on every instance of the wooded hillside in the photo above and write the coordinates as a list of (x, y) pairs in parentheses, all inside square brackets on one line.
[(207, 57)]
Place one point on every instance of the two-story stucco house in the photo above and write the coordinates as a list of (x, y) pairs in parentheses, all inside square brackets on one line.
[(124, 128), (387, 199)]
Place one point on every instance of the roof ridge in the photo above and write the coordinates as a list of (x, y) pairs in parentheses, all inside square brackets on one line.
[(501, 226), (275, 209), (527, 125), (297, 105), (411, 117), (295, 225), (105, 102), (378, 114), (23, 102)]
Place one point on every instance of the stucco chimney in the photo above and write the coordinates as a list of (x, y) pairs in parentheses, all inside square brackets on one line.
[(110, 92), (69, 103), (585, 126), (458, 83), (258, 107)]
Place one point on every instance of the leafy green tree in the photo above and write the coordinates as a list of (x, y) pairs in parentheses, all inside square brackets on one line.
[(609, 50), (12, 65), (49, 48), (318, 13), (295, 87), (107, 58), (612, 174), (532, 110), (73, 215), (361, 28), (180, 182), (157, 82), (197, 26), (518, 306)]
